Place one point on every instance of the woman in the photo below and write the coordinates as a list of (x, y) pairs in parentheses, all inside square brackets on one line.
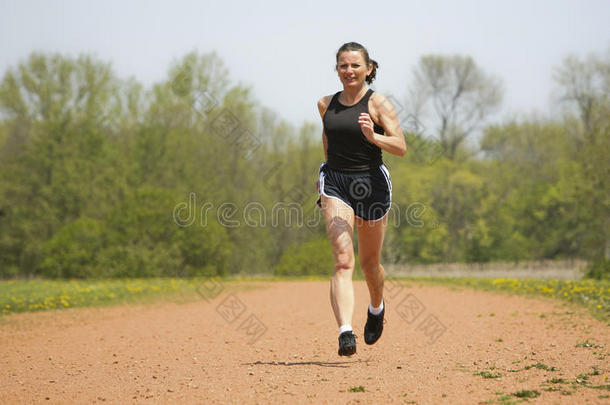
[(355, 186)]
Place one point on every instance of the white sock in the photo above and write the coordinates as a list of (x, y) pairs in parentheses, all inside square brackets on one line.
[(376, 311), (345, 328)]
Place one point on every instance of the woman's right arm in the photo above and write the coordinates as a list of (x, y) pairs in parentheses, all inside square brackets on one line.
[(322, 106)]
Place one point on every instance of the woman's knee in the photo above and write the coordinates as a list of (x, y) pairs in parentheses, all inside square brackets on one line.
[(344, 262), (370, 264)]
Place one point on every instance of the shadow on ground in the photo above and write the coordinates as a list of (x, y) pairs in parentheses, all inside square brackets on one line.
[(342, 364)]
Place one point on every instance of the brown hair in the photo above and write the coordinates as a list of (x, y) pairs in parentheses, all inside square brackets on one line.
[(354, 46)]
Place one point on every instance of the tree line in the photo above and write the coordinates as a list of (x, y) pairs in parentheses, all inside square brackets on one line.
[(104, 177)]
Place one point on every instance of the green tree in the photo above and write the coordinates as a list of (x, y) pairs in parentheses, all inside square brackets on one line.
[(57, 112), (584, 88), (529, 176)]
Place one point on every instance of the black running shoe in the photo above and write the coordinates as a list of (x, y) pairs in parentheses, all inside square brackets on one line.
[(347, 343), (374, 326)]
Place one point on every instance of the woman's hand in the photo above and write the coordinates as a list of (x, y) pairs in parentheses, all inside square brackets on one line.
[(367, 126)]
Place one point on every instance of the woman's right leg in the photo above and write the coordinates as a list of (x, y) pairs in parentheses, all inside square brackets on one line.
[(339, 220)]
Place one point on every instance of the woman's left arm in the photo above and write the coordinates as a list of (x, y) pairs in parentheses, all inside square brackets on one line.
[(393, 141)]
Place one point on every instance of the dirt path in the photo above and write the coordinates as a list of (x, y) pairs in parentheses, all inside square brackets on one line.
[(279, 345)]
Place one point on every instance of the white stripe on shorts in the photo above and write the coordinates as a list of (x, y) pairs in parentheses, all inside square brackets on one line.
[(386, 174)]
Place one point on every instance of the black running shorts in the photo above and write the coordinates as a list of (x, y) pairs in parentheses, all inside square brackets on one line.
[(368, 193)]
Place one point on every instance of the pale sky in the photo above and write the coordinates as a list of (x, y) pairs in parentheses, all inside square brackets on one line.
[(285, 51)]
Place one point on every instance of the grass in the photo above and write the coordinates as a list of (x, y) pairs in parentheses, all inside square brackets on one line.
[(359, 388), (593, 294), (583, 380), (541, 366), (526, 394), (39, 295), (586, 343), (488, 374), (506, 400)]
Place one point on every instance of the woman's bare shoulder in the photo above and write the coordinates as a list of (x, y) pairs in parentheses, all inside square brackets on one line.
[(377, 99), (323, 103), (381, 105)]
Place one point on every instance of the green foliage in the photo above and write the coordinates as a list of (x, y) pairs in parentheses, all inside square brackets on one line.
[(73, 251), (526, 394), (314, 257), (93, 168), (205, 250), (599, 270), (594, 294), (39, 295)]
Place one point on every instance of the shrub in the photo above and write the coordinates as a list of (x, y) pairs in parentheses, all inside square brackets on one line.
[(599, 270), (314, 257), (73, 251)]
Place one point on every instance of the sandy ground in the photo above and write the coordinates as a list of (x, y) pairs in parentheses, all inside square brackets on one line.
[(278, 344)]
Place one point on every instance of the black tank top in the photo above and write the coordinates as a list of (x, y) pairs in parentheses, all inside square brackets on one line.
[(348, 149)]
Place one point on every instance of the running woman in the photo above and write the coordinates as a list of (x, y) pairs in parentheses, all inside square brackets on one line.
[(354, 186)]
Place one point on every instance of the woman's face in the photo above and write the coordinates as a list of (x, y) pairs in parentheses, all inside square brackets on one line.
[(352, 69)]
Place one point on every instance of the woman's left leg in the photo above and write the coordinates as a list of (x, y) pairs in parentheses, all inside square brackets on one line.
[(370, 242)]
